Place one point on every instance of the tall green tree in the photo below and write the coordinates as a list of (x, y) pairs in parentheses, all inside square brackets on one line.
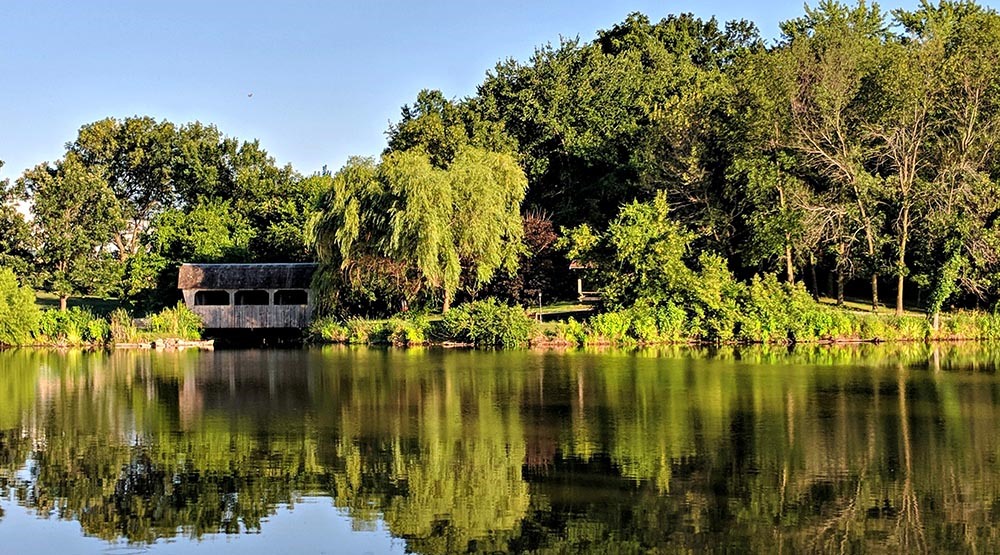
[(580, 111), (15, 233), (957, 239), (442, 127), (135, 155), (826, 64), (75, 217), (446, 229)]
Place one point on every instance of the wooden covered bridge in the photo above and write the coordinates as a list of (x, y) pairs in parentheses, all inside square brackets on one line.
[(249, 296)]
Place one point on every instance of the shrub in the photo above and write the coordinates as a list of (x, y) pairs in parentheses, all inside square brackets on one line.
[(75, 326), (611, 327), (98, 331), (329, 330), (179, 322), (407, 331), (360, 331), (774, 312), (18, 313), (575, 332), (487, 323), (121, 327), (640, 324)]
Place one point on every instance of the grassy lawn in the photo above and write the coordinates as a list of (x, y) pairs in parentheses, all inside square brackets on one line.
[(100, 306), (561, 311), (861, 305)]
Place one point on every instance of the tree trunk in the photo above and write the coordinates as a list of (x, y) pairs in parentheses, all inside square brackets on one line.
[(789, 266), (901, 268), (62, 302), (874, 292), (840, 288), (899, 295), (447, 303), (815, 282), (936, 320)]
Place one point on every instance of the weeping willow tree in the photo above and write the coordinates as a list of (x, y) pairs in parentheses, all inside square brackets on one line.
[(406, 226)]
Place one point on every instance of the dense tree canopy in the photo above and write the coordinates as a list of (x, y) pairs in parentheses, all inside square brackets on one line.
[(859, 147)]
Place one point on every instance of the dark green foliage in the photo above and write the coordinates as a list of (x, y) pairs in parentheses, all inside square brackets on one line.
[(591, 118), (541, 268)]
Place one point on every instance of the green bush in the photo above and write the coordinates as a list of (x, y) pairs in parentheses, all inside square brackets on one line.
[(362, 332), (122, 328), (774, 312), (75, 326), (18, 313), (487, 323), (179, 322), (328, 330), (575, 332), (98, 331), (611, 327), (640, 324), (407, 331), (568, 333)]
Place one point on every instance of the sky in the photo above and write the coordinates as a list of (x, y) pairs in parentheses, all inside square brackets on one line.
[(326, 77)]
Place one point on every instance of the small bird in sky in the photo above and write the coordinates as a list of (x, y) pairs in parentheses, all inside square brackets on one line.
[(250, 95)]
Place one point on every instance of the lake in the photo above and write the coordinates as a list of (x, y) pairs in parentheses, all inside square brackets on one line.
[(890, 448)]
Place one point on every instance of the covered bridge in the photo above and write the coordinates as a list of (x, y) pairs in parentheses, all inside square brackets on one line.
[(249, 296)]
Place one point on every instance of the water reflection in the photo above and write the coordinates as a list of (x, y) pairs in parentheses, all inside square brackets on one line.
[(863, 448)]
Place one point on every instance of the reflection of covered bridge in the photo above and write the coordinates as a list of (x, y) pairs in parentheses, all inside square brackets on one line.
[(249, 296)]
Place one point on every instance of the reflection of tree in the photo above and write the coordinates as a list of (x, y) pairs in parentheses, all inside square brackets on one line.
[(761, 449), (454, 463)]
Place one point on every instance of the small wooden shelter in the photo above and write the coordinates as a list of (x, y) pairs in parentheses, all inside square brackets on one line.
[(585, 297), (249, 296)]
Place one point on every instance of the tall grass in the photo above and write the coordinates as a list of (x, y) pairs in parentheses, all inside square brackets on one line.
[(179, 322)]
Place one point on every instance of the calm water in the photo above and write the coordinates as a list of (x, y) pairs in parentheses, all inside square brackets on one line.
[(861, 449)]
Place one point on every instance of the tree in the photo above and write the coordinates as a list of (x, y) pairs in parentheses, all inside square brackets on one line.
[(825, 67), (135, 155), (210, 232), (15, 234), (443, 230), (600, 124), (75, 215), (441, 127), (957, 238), (645, 259)]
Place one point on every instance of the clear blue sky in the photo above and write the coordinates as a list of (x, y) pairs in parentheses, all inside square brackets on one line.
[(327, 77)]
